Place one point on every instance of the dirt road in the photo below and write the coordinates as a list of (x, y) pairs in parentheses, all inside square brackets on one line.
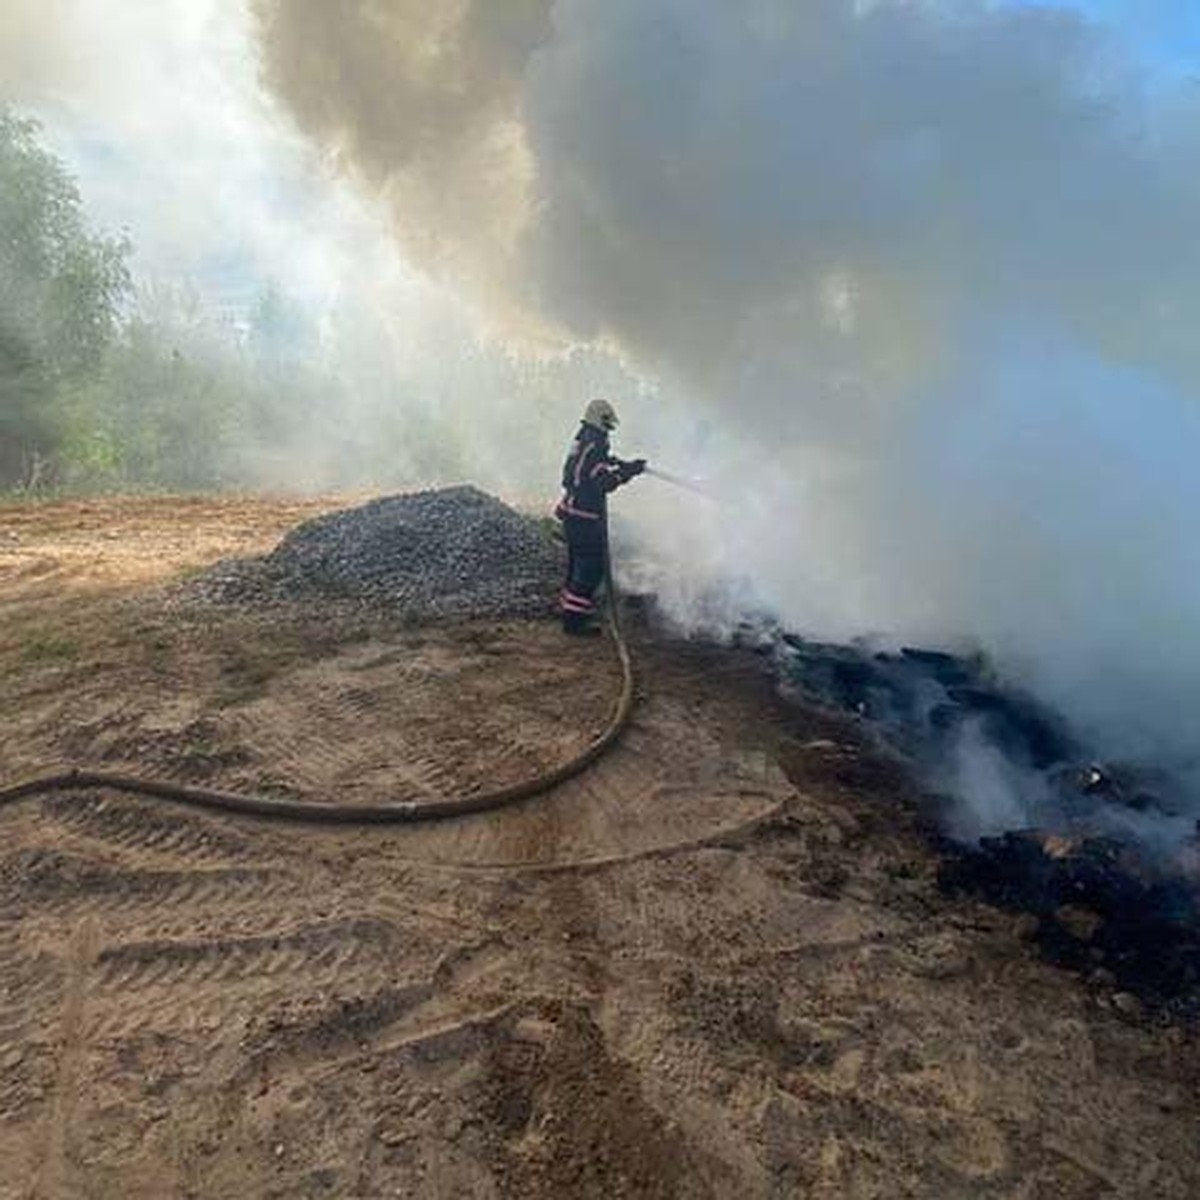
[(716, 965)]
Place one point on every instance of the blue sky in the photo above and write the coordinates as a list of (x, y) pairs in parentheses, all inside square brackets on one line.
[(1164, 34)]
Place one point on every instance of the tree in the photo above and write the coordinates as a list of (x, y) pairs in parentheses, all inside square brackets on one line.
[(61, 291)]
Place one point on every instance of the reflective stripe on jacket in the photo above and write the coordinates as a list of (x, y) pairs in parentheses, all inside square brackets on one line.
[(589, 474)]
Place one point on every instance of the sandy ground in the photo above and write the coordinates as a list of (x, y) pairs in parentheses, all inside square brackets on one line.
[(716, 965)]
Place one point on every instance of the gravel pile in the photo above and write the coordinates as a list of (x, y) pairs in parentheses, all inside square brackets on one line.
[(450, 553)]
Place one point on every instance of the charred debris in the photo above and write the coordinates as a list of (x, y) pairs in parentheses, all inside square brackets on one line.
[(1104, 858)]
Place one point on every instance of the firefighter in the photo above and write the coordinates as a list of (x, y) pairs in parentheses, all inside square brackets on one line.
[(589, 474)]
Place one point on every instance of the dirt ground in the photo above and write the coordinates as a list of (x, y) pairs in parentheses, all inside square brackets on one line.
[(718, 964)]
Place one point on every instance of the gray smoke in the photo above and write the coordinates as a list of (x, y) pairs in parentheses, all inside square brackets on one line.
[(923, 273), (421, 101), (907, 283)]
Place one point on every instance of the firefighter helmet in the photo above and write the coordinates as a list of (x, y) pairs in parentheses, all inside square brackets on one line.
[(601, 415)]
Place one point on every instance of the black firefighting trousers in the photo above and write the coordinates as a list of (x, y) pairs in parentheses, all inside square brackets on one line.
[(586, 558)]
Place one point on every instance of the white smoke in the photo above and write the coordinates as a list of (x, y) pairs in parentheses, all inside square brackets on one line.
[(156, 107), (909, 283), (925, 271)]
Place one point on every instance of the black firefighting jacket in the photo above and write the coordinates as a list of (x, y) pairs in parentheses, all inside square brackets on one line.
[(589, 474)]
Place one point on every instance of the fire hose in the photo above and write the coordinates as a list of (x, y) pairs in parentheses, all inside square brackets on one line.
[(406, 812), (324, 812)]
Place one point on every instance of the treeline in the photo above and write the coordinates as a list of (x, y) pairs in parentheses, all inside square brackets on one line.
[(61, 290), (110, 384), (106, 386)]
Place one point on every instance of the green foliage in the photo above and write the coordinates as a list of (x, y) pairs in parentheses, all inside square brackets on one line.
[(61, 289), (153, 415), (108, 387), (102, 389)]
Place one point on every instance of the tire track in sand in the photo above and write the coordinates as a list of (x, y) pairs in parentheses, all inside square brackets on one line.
[(150, 830), (62, 1130), (309, 949), (31, 984), (55, 883)]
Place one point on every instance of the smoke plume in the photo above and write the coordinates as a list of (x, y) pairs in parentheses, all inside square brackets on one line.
[(923, 274), (906, 282)]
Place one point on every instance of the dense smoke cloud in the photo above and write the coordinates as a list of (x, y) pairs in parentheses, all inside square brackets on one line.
[(421, 101), (924, 271), (824, 186), (908, 283)]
